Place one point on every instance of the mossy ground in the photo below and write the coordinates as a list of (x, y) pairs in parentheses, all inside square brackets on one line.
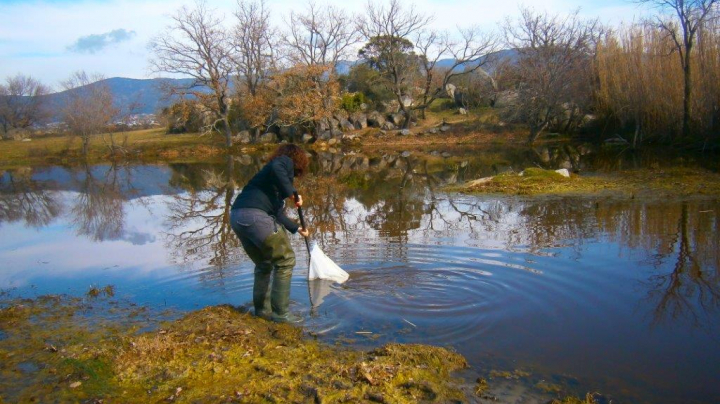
[(641, 182), (50, 350)]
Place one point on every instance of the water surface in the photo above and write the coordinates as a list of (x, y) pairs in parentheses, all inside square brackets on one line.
[(616, 295)]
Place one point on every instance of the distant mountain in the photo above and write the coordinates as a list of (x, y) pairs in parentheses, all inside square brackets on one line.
[(146, 96), (135, 96)]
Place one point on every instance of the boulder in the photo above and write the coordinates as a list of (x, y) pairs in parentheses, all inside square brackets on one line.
[(397, 119), (481, 181), (334, 123), (462, 111), (336, 133), (324, 135), (450, 90), (346, 125), (404, 132), (564, 172), (359, 120), (307, 138), (268, 137), (323, 125), (375, 119), (340, 115), (388, 126), (242, 137)]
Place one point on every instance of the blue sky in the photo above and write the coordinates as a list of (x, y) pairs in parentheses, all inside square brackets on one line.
[(51, 39)]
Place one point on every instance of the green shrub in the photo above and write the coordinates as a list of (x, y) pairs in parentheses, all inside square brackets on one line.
[(351, 101)]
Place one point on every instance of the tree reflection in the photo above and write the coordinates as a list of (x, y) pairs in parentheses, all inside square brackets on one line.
[(198, 224), (98, 210), (22, 198), (692, 288)]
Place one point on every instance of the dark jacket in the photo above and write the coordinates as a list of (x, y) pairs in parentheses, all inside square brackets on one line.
[(268, 189)]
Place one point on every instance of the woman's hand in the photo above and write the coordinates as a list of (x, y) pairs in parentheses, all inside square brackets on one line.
[(304, 232), (298, 201)]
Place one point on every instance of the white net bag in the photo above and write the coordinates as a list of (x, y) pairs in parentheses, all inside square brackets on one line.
[(322, 267)]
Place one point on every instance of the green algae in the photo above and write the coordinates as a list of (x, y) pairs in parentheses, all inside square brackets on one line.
[(63, 349)]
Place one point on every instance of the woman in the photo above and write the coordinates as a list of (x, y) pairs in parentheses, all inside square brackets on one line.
[(255, 216)]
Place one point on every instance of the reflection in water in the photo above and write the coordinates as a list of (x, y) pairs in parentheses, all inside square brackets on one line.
[(23, 199), (533, 280), (198, 226)]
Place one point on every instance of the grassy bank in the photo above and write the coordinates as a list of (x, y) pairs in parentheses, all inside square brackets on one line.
[(95, 349), (141, 145), (634, 183)]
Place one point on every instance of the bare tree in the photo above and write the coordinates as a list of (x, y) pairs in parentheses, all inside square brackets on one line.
[(555, 60), (197, 45), (388, 30), (89, 106), (255, 42), (22, 102), (691, 15), (469, 54), (322, 35)]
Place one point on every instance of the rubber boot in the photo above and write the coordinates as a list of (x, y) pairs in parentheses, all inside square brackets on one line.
[(261, 291), (281, 297)]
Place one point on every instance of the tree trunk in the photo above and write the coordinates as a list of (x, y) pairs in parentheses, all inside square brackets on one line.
[(228, 132), (687, 96), (85, 145)]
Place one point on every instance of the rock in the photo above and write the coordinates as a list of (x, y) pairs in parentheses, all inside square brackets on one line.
[(75, 385), (26, 140), (446, 154), (405, 154), (388, 126), (433, 131), (375, 119), (464, 163), (481, 181), (307, 138), (333, 141), (404, 132), (364, 107), (268, 137), (286, 131), (507, 98), (334, 123), (345, 125), (435, 153), (323, 125), (406, 100), (336, 133), (340, 115), (462, 111), (325, 135), (359, 120), (564, 172), (397, 119), (242, 137), (444, 128), (450, 90)]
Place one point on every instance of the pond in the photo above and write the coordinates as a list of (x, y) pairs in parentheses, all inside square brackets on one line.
[(610, 294)]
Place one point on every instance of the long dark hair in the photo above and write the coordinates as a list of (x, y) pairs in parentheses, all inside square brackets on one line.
[(296, 154)]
